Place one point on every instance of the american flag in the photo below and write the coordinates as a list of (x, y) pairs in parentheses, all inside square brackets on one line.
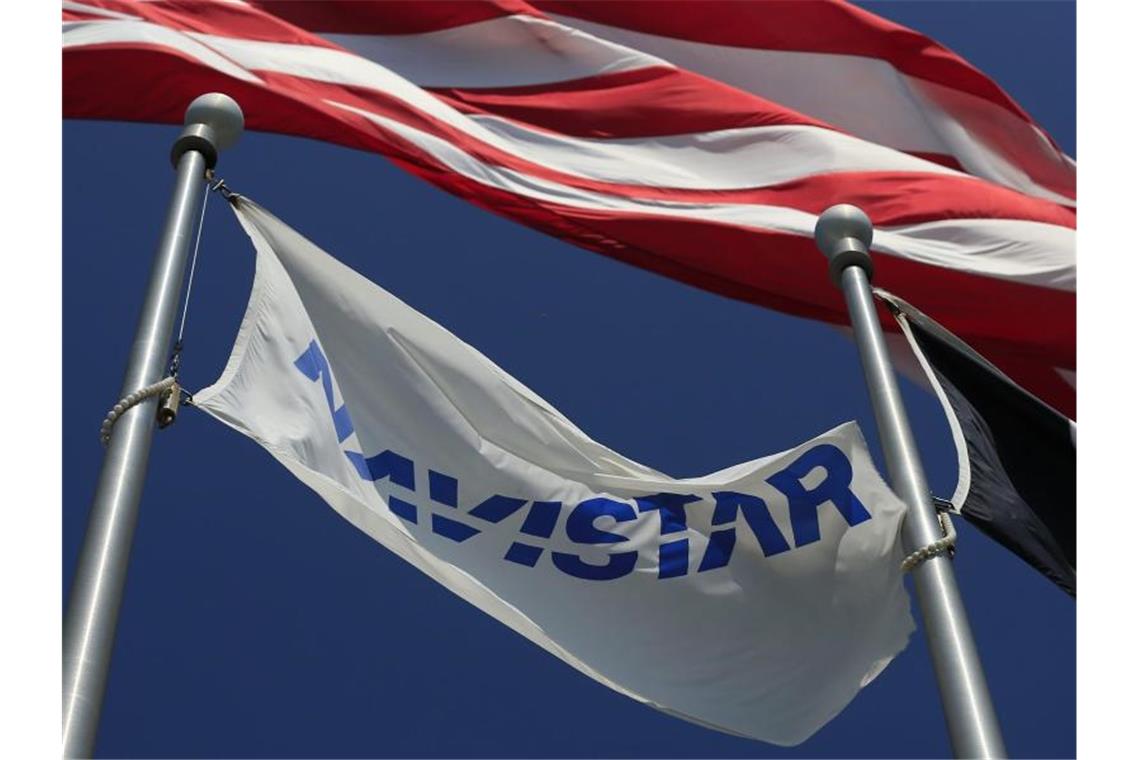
[(698, 140)]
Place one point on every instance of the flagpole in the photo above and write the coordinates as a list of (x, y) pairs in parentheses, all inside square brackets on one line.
[(843, 233), (213, 123)]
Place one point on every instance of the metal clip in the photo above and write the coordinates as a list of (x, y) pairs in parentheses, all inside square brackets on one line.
[(168, 407), (220, 187)]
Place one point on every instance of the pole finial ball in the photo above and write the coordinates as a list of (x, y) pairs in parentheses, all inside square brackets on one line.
[(221, 114), (843, 234), (839, 222)]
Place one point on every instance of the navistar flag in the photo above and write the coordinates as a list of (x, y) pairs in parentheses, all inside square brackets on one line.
[(757, 600)]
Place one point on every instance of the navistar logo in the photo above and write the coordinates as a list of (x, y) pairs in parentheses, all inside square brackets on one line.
[(541, 519)]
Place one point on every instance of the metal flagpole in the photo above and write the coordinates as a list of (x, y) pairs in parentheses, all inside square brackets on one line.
[(843, 234), (213, 122)]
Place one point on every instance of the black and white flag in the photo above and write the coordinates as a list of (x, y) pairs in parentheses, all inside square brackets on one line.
[(1017, 456)]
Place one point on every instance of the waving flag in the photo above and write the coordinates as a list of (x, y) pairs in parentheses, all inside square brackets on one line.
[(697, 140), (1017, 457), (757, 600)]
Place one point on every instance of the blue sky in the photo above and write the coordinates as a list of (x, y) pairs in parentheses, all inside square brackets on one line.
[(258, 623)]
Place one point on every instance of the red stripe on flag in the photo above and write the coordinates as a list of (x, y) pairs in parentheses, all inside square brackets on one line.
[(218, 18), (389, 16), (646, 102), (69, 15), (817, 26)]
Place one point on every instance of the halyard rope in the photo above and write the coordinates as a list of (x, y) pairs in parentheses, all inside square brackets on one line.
[(169, 383), (154, 389), (194, 260), (944, 544)]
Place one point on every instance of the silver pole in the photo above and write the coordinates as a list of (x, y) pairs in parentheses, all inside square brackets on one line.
[(213, 123), (843, 233)]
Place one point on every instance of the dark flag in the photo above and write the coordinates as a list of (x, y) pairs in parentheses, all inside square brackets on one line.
[(1017, 456)]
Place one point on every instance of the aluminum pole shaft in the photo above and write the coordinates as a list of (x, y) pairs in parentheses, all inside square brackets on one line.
[(970, 717), (89, 628), (844, 235), (213, 122)]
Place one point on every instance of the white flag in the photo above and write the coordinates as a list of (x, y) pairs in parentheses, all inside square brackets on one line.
[(756, 600)]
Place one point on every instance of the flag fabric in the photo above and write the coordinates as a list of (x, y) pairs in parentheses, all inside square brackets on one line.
[(757, 600), (1017, 457), (698, 140)]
